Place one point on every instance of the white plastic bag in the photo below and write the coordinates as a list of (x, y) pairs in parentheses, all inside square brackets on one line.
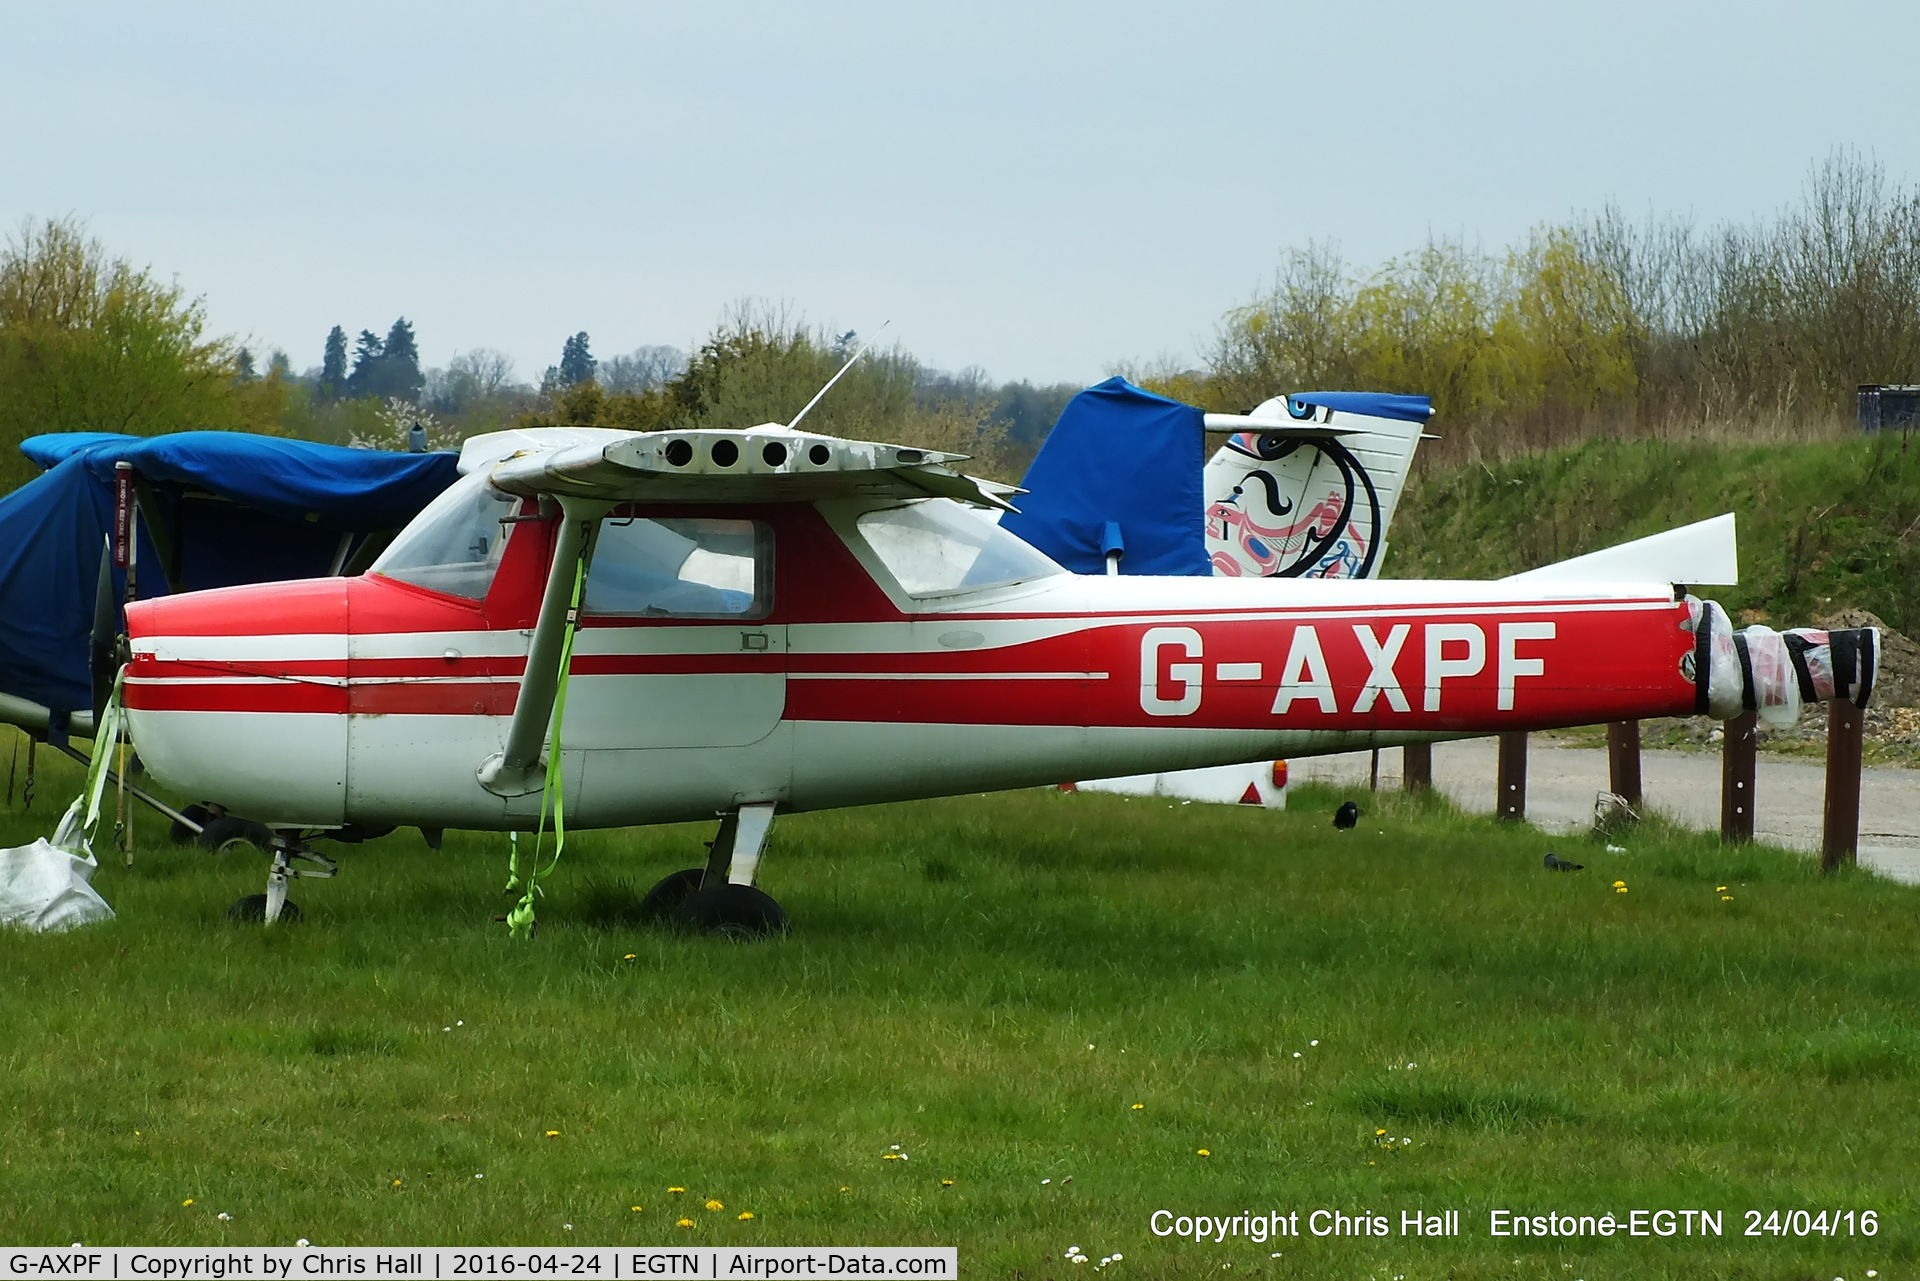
[(43, 887), (47, 885)]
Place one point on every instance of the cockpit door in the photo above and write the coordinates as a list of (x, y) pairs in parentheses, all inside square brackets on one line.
[(674, 648)]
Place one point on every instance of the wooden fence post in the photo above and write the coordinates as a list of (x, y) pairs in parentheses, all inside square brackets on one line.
[(1416, 767), (1623, 761), (1511, 806), (1739, 749), (1840, 835)]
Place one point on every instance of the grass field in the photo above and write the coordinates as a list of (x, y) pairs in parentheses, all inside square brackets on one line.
[(1053, 1001)]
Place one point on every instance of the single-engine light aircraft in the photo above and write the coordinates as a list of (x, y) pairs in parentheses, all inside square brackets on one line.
[(733, 624)]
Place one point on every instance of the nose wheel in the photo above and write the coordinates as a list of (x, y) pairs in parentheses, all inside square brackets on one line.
[(274, 905)]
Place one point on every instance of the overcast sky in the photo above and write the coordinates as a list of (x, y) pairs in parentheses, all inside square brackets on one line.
[(1042, 190)]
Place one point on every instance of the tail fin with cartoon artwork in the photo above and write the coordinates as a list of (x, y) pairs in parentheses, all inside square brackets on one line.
[(1281, 503)]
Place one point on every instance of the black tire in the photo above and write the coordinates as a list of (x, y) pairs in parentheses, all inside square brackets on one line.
[(667, 895), (732, 911), (252, 910), (184, 835), (227, 833)]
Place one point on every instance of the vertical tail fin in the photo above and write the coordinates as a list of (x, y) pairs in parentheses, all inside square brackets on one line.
[(1280, 505)]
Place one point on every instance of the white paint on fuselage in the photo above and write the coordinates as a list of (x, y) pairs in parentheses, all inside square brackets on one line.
[(657, 748)]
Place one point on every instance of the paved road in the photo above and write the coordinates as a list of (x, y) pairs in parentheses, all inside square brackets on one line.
[(1562, 783)]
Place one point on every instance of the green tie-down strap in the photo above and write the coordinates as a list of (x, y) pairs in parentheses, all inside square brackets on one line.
[(520, 920), (76, 828)]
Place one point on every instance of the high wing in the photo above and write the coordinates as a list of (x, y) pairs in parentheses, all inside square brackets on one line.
[(766, 464)]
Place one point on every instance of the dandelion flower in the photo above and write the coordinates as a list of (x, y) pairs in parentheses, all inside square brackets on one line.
[(1726, 898), (684, 1223), (676, 1191), (745, 1215), (1619, 885), (188, 1201), (1204, 1152), (627, 957), (1621, 890), (396, 1183), (1138, 1106), (1720, 889), (638, 1208), (845, 1188), (946, 1183), (715, 1205), (553, 1134), (889, 1156), (1378, 1133)]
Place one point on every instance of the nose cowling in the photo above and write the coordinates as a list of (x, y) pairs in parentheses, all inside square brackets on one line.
[(238, 696)]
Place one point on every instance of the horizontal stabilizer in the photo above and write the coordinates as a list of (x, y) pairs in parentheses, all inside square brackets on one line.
[(1701, 553)]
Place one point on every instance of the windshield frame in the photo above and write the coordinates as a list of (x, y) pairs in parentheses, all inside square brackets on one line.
[(463, 491), (843, 516)]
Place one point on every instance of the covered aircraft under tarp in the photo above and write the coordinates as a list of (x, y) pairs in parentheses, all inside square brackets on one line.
[(1118, 481), (215, 509)]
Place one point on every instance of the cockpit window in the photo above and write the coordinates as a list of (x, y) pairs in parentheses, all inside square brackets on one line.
[(937, 546), (455, 544), (675, 567)]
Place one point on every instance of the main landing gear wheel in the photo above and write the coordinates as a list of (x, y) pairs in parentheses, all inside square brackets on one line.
[(252, 910), (668, 893), (732, 911), (227, 834)]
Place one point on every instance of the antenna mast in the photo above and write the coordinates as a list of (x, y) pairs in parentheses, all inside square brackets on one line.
[(836, 378)]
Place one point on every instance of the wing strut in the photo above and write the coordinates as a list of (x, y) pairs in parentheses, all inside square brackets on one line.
[(520, 768)]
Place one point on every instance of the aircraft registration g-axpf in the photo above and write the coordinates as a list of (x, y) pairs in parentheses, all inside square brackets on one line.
[(771, 621)]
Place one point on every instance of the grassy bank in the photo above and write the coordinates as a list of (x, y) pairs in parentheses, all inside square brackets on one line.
[(1821, 526), (993, 984)]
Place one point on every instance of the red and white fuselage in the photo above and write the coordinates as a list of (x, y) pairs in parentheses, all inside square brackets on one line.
[(374, 700)]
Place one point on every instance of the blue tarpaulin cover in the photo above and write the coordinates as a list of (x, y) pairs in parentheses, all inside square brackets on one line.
[(1126, 457), (237, 509)]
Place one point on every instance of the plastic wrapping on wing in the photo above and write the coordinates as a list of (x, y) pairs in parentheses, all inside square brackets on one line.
[(1776, 685), (1726, 689)]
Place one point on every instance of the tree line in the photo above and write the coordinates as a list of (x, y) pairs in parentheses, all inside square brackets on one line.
[(1603, 325), (1600, 325)]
